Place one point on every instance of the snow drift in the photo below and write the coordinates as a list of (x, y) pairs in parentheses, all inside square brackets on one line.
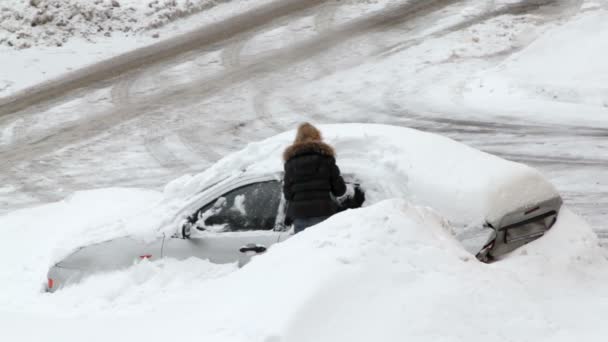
[(527, 83), (386, 272)]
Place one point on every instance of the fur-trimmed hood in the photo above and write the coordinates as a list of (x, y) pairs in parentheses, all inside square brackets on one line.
[(305, 147)]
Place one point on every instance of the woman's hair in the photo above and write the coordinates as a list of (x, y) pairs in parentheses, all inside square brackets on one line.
[(307, 132), (308, 139)]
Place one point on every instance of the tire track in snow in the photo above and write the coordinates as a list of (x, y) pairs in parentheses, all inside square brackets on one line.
[(308, 110), (509, 9), (231, 55), (324, 19), (9, 131), (121, 91), (230, 58), (261, 110), (49, 93), (197, 90), (195, 140), (158, 148), (323, 23), (548, 160), (213, 143), (443, 124)]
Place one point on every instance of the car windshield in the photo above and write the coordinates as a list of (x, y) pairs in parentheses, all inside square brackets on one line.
[(251, 207)]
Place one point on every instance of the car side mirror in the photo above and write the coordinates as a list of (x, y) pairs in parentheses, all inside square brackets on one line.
[(185, 232)]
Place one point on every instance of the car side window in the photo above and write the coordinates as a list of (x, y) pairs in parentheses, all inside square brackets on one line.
[(251, 207)]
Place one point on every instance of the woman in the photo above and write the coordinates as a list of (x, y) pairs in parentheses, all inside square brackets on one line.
[(311, 175)]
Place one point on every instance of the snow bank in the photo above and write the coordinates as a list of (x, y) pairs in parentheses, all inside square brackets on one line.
[(33, 239), (130, 290), (44, 39), (527, 82), (24, 24), (387, 272), (393, 271), (413, 281)]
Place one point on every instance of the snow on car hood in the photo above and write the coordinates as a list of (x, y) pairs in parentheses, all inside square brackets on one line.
[(465, 185)]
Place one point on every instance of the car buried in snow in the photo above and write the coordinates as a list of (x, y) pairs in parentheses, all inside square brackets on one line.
[(236, 210)]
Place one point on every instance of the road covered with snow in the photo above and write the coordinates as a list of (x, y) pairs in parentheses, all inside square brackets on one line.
[(44, 39), (452, 67), (524, 80)]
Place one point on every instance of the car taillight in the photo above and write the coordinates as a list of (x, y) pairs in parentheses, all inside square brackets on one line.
[(145, 256), (50, 283)]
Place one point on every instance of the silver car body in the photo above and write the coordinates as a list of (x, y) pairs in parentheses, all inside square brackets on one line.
[(218, 247), (510, 231)]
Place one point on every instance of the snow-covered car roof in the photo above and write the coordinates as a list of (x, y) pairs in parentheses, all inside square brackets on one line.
[(465, 185)]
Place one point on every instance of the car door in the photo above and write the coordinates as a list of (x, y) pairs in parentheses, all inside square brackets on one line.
[(233, 227)]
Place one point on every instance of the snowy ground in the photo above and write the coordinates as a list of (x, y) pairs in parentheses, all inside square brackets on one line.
[(389, 271), (525, 83), (44, 39)]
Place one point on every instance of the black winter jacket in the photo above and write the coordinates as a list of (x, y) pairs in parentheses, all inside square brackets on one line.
[(311, 174)]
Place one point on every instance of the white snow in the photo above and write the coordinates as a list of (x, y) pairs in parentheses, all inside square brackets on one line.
[(502, 67), (386, 272), (239, 205), (433, 83), (529, 79), (391, 271), (383, 257), (77, 33), (53, 230), (6, 136), (35, 23), (465, 185)]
